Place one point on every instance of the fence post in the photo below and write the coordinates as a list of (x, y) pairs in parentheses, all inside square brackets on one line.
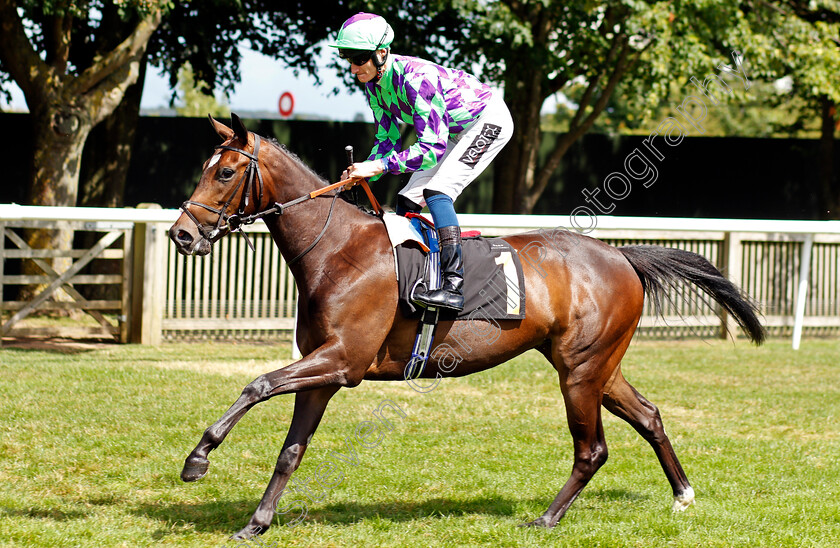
[(148, 285), (296, 355), (802, 293), (732, 267)]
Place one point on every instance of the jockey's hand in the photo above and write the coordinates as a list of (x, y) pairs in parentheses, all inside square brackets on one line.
[(363, 170)]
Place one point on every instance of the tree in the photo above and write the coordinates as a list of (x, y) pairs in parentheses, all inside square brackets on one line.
[(802, 43), (586, 50), (71, 76), (208, 41), (537, 48), (793, 50), (533, 48), (193, 98), (90, 57), (74, 70)]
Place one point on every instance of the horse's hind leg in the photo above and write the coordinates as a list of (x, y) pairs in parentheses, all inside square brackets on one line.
[(583, 410), (625, 402), (309, 409)]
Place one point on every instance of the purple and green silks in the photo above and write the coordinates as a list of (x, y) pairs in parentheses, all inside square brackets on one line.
[(437, 101)]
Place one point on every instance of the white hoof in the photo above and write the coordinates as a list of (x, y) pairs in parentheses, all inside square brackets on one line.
[(683, 500)]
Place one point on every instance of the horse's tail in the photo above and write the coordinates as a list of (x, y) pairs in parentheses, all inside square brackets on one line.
[(660, 268)]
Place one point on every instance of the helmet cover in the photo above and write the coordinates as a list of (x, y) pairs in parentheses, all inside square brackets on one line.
[(364, 31)]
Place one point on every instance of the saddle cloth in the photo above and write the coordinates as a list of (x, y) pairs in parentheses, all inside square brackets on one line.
[(494, 286)]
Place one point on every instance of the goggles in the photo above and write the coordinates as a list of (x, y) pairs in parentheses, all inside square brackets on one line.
[(357, 57)]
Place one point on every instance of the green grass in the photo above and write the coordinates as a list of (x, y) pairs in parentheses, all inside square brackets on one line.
[(92, 443)]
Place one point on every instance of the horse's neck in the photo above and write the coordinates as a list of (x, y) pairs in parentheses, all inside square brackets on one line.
[(300, 225), (346, 238)]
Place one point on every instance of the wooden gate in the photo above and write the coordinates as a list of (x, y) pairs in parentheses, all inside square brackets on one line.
[(232, 292), (108, 317)]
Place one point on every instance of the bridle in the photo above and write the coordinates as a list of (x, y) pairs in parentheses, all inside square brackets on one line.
[(232, 222), (235, 222)]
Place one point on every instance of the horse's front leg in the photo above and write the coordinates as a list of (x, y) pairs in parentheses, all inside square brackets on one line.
[(309, 408), (324, 367)]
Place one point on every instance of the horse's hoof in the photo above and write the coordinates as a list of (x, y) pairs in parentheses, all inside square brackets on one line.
[(194, 469), (249, 532), (539, 522), (683, 500)]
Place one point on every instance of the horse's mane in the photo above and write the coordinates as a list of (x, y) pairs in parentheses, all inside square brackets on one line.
[(351, 197)]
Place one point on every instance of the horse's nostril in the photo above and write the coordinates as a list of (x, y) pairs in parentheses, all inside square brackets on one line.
[(184, 237)]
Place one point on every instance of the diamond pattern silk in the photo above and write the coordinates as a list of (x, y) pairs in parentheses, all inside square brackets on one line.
[(437, 101)]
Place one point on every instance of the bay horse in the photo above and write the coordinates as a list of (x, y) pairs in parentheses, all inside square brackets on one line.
[(583, 303)]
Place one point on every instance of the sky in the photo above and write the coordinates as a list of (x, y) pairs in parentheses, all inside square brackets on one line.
[(264, 80)]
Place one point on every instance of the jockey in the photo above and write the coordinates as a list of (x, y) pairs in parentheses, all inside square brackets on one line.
[(461, 124)]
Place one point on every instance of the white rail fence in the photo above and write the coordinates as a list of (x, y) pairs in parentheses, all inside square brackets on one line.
[(792, 268)]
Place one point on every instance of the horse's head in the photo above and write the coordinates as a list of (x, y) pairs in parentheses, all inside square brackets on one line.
[(230, 187)]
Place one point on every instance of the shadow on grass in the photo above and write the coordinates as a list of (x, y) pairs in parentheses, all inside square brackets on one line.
[(57, 514), (205, 517), (401, 511), (230, 516), (53, 514), (608, 495)]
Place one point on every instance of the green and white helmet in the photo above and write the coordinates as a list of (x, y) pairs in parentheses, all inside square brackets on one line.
[(364, 32)]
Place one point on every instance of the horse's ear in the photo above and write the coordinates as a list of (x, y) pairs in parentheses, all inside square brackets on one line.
[(239, 128), (224, 132)]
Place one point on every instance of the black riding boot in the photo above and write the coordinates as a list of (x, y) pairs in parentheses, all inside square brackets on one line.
[(451, 294)]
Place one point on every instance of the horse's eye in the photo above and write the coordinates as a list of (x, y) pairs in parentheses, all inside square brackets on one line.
[(226, 173)]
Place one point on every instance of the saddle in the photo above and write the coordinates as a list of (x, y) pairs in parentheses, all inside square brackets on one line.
[(493, 280), (494, 285)]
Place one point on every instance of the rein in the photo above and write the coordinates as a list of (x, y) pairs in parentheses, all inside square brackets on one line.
[(235, 222)]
